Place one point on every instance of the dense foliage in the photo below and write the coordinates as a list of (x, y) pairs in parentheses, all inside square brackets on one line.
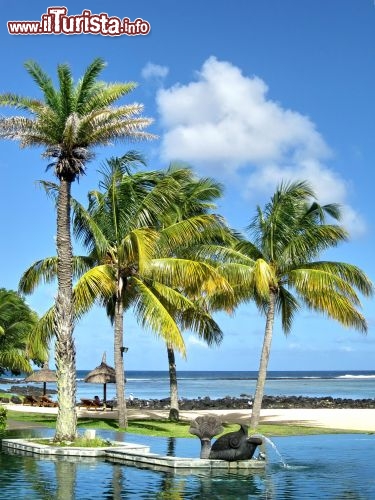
[(3, 418), (16, 323)]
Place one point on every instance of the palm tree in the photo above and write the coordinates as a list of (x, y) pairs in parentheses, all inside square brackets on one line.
[(126, 267), (118, 231), (196, 197), (16, 323), (288, 235), (68, 123)]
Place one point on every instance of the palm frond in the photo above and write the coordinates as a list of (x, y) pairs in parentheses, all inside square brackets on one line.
[(44, 330), (14, 360), (108, 128), (97, 283), (287, 305), (194, 230), (88, 84), (317, 212), (105, 95), (312, 281), (20, 102), (66, 97), (201, 323), (246, 249), (137, 248), (193, 277), (121, 166), (16, 321), (152, 314), (310, 243), (44, 82), (21, 128), (263, 278), (350, 273), (50, 188), (338, 307), (87, 230), (42, 271)]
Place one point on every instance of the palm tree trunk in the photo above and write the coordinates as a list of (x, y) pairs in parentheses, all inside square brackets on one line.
[(119, 360), (173, 389), (264, 358), (65, 354)]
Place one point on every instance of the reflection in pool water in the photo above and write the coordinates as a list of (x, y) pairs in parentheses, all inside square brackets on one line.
[(330, 466)]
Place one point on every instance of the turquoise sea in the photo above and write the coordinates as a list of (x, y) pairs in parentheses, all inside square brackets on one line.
[(217, 384)]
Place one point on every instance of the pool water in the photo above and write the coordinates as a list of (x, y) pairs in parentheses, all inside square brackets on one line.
[(317, 467)]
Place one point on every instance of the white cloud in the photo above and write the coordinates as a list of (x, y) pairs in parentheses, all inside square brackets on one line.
[(295, 346), (346, 349), (226, 116), (156, 71), (224, 123), (196, 341)]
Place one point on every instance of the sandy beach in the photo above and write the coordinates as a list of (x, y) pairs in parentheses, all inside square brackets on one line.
[(338, 419)]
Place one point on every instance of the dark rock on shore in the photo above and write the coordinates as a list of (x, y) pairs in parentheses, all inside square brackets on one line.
[(27, 390), (246, 403), (228, 402)]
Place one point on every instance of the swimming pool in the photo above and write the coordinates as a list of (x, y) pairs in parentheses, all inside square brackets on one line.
[(321, 467)]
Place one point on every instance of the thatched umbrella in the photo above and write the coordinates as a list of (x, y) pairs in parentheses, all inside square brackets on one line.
[(102, 374), (44, 375)]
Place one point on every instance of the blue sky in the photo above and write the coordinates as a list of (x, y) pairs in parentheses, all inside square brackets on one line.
[(249, 92)]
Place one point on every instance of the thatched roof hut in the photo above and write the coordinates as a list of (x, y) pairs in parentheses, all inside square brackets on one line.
[(44, 375), (102, 374)]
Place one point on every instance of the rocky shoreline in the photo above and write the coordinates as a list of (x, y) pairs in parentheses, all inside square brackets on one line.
[(230, 403), (269, 402)]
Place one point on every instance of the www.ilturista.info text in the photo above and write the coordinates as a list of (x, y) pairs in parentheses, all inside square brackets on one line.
[(57, 22)]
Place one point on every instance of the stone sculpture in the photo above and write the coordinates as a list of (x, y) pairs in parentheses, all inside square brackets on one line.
[(231, 447), (206, 428), (235, 445)]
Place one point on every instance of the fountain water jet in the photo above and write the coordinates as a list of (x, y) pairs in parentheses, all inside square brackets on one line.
[(267, 440)]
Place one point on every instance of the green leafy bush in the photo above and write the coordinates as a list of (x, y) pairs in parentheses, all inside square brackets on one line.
[(3, 418)]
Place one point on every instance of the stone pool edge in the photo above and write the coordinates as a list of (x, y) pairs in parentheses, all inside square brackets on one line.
[(130, 453)]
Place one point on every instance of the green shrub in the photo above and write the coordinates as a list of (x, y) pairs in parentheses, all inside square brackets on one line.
[(3, 418)]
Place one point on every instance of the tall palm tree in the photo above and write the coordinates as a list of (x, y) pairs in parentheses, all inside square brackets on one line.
[(118, 230), (196, 197), (68, 122), (16, 323), (129, 263), (288, 235)]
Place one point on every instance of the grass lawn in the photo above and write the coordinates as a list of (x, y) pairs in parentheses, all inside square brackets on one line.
[(80, 442), (7, 395), (165, 428)]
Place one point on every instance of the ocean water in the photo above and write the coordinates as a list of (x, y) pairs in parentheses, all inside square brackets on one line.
[(217, 384)]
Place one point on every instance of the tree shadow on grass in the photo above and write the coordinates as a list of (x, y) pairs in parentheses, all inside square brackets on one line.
[(32, 421), (161, 427), (98, 423)]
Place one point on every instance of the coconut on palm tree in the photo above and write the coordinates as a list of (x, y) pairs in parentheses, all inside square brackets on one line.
[(68, 123), (283, 273)]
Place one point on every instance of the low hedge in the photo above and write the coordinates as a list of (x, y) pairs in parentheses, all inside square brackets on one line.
[(3, 418)]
